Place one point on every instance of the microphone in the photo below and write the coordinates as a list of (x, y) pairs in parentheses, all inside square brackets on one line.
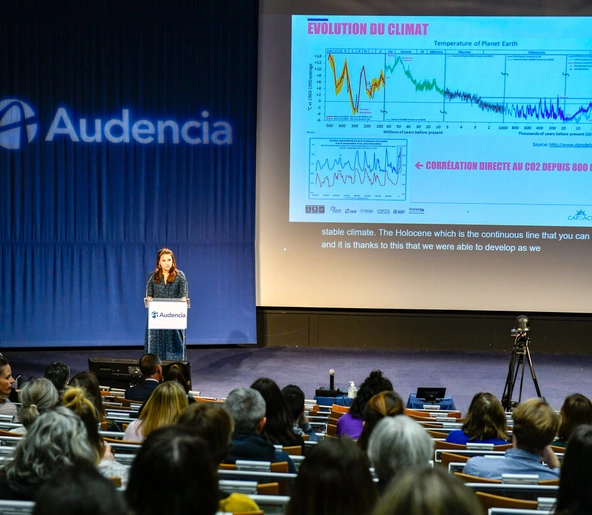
[(331, 379)]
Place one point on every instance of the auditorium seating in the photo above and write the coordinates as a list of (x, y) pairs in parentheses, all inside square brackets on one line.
[(16, 507)]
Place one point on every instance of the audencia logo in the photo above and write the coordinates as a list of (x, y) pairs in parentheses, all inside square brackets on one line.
[(17, 122), (18, 119)]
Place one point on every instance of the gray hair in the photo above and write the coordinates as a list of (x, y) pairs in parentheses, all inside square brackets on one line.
[(247, 408), (396, 444), (37, 395), (55, 439)]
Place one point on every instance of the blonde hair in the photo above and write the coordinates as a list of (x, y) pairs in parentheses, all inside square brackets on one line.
[(75, 400), (535, 425), (163, 407)]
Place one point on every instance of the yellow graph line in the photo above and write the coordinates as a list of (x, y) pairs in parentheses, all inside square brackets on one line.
[(344, 78)]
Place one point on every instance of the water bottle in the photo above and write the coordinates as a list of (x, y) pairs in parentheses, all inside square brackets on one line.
[(352, 390)]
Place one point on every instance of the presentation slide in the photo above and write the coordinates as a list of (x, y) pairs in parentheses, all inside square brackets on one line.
[(425, 161), (441, 120)]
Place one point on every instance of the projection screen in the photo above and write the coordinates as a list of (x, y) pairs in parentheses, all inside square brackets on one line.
[(434, 158)]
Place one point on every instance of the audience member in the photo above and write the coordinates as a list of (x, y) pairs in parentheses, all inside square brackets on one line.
[(575, 494), (56, 439), (278, 428), (174, 473), (428, 491), (74, 399), (58, 373), (6, 381), (162, 408), (247, 408), (90, 384), (38, 394), (79, 490), (151, 369), (383, 404), (535, 427), (352, 423), (179, 372), (214, 425), (397, 444), (485, 422), (576, 410), (294, 398), (334, 479)]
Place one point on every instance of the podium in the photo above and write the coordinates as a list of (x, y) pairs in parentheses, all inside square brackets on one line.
[(168, 314)]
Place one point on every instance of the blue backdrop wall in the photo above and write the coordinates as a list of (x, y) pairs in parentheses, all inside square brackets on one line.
[(126, 127)]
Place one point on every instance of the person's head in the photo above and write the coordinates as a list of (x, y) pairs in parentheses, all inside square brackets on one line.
[(294, 398), (163, 407), (576, 410), (178, 372), (79, 490), (211, 422), (57, 438), (486, 418), (383, 404), (173, 473), (165, 264), (535, 425), (333, 479), (6, 379), (150, 366), (247, 408), (75, 399), (373, 384), (575, 494), (278, 428), (38, 394), (58, 373), (428, 491), (90, 384), (396, 444)]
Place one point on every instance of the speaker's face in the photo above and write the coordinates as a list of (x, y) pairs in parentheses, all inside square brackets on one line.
[(166, 262)]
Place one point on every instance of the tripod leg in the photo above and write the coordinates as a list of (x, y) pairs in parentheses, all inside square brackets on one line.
[(532, 372), (510, 382), (521, 363)]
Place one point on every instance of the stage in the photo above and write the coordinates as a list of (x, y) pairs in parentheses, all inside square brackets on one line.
[(216, 371)]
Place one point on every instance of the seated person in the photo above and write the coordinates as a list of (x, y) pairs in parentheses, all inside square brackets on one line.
[(535, 427), (174, 474), (574, 496), (383, 404), (352, 423), (397, 444), (428, 491), (576, 410), (485, 422), (334, 479), (55, 439), (279, 424), (247, 408), (38, 395), (79, 489), (151, 370), (213, 423), (58, 373), (294, 397)]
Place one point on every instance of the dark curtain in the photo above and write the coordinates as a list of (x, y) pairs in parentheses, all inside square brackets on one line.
[(125, 127)]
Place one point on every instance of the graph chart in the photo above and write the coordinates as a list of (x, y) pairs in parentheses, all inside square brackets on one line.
[(474, 86), (360, 169)]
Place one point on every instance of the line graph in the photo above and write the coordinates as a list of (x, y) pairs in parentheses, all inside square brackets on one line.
[(359, 169), (479, 86)]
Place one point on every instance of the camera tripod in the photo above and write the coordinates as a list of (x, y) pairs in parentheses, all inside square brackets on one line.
[(520, 352)]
